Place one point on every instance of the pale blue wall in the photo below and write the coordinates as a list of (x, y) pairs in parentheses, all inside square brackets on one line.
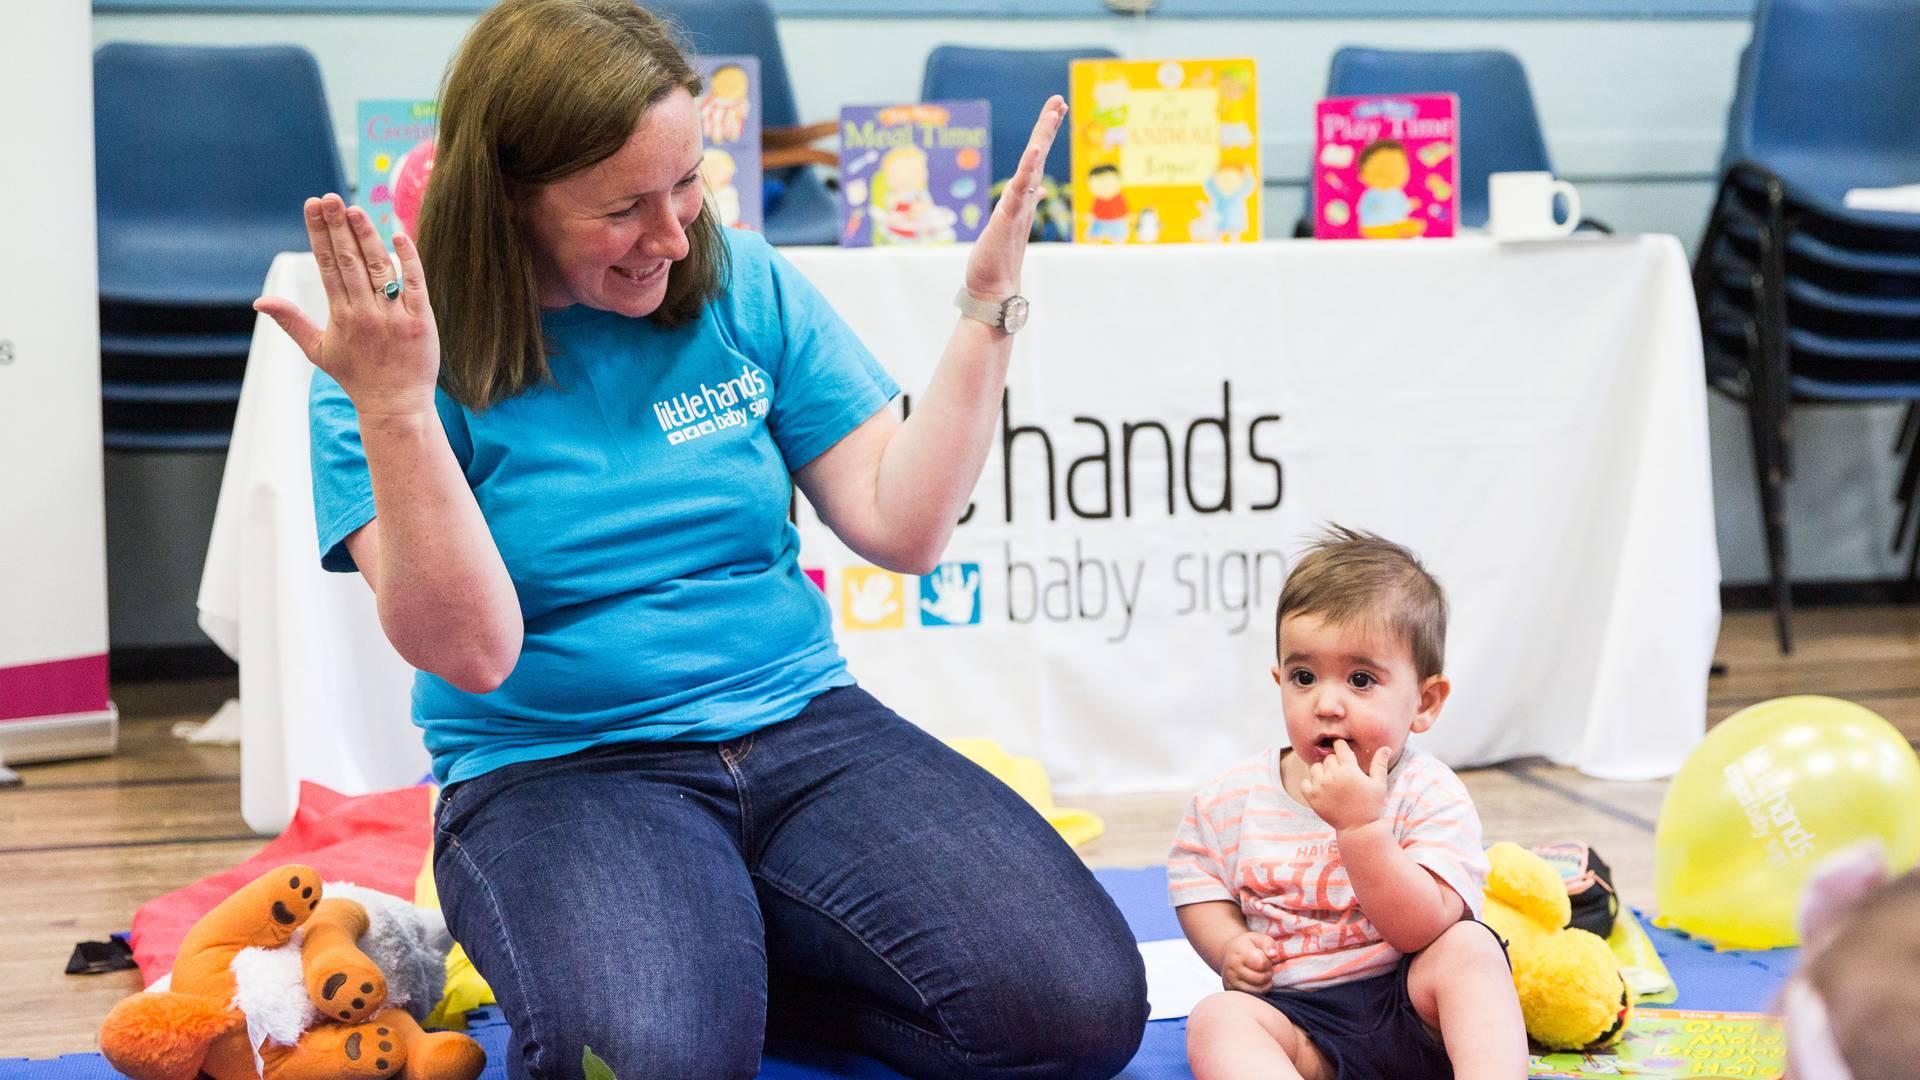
[(1633, 111)]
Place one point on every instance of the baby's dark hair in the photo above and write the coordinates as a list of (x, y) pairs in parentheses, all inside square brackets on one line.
[(1868, 976), (1377, 147), (1353, 578), (1100, 169)]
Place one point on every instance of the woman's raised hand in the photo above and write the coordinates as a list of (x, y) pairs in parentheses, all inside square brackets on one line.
[(385, 353), (993, 270)]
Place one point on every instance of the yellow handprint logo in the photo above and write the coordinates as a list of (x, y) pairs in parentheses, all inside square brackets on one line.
[(872, 599)]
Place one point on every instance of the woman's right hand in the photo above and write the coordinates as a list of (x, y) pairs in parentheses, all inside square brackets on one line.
[(384, 353)]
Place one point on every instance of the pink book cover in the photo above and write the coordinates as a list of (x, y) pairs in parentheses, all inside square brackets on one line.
[(1386, 167)]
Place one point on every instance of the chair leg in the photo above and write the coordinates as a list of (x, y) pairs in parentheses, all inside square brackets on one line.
[(1764, 402), (1907, 492)]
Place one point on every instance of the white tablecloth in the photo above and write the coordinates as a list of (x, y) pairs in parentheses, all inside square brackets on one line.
[(1530, 418)]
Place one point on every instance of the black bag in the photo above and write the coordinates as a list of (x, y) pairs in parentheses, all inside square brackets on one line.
[(1589, 884)]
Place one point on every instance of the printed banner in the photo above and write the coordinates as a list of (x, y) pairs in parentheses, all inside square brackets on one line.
[(1177, 424)]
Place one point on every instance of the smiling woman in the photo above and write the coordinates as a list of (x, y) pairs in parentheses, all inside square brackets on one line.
[(671, 821)]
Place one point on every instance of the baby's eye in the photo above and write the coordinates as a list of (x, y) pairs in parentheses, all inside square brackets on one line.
[(1300, 677), (1361, 680)]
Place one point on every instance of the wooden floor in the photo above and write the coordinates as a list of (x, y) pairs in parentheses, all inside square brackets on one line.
[(82, 844)]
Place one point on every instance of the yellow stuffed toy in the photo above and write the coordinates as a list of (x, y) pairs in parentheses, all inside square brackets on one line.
[(288, 979), (1571, 992)]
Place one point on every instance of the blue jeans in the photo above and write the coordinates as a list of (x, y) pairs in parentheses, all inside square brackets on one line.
[(841, 877)]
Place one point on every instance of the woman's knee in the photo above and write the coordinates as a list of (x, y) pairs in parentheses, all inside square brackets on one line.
[(1085, 1014)]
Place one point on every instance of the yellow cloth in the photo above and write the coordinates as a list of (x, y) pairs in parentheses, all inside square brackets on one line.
[(1029, 780), (1640, 963)]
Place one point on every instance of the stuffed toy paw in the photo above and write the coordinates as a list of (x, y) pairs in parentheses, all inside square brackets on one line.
[(288, 979), (1571, 992)]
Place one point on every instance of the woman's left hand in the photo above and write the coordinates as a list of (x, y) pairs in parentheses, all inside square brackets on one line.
[(993, 270)]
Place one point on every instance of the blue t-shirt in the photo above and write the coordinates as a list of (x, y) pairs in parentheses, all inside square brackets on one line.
[(640, 505)]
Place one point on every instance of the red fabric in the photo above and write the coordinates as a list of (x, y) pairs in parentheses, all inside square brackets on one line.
[(379, 841)]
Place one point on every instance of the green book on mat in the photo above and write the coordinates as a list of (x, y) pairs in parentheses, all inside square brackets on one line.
[(1679, 1042)]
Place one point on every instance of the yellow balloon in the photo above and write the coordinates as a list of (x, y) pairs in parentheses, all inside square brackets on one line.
[(1766, 795)]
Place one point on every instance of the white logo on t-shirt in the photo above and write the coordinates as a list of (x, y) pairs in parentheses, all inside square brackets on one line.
[(711, 408)]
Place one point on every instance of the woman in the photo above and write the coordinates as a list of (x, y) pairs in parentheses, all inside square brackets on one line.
[(670, 818)]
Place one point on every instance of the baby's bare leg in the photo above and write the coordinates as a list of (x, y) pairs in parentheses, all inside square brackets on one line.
[(1232, 1034), (1461, 984)]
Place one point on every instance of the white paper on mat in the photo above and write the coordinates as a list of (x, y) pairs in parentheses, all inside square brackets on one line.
[(1176, 978)]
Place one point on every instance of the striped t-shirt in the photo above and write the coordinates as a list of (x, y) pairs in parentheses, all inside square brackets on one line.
[(1246, 840)]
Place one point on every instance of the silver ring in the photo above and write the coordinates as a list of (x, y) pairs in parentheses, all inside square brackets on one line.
[(391, 290)]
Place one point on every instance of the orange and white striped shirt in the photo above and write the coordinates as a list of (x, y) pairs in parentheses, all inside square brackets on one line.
[(1244, 839)]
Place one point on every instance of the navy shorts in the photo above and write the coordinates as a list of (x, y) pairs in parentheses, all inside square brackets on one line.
[(1368, 1029)]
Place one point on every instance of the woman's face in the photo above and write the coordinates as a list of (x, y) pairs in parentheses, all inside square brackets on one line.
[(606, 236)]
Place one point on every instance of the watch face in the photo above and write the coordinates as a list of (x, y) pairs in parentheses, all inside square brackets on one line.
[(1013, 313)]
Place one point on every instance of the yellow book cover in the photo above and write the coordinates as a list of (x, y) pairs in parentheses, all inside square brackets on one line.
[(1165, 151)]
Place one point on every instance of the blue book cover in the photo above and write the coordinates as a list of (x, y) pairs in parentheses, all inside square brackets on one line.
[(395, 159), (730, 124), (914, 174)]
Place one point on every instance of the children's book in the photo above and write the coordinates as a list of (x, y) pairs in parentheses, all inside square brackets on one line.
[(1387, 167), (1681, 1043), (1165, 151), (395, 159), (730, 123), (914, 174)]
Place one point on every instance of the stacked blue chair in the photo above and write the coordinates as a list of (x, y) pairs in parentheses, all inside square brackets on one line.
[(1499, 129), (203, 157), (1803, 299), (799, 207)]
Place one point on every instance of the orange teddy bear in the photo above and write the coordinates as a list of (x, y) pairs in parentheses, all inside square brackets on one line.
[(251, 1001)]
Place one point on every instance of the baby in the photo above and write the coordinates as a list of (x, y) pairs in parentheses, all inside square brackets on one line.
[(1333, 881), (1849, 1010)]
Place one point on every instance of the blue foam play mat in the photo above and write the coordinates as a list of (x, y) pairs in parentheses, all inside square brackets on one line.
[(1730, 981)]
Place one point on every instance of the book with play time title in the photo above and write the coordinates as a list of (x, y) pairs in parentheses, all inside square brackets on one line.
[(1670, 1043), (1164, 151), (1386, 167), (730, 124), (395, 157), (914, 174)]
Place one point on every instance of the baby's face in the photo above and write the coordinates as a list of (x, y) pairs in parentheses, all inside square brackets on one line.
[(1340, 682), (1386, 169), (1104, 185)]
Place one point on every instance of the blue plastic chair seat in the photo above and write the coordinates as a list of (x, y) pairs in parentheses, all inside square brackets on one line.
[(1499, 129), (176, 345), (1016, 83), (184, 392), (166, 441), (203, 156), (216, 263), (1802, 244)]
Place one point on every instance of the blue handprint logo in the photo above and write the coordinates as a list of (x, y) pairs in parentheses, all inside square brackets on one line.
[(950, 596)]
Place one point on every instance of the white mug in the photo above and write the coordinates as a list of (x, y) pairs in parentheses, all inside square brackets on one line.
[(1521, 206)]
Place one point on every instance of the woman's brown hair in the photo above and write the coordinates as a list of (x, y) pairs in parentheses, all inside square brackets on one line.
[(539, 90)]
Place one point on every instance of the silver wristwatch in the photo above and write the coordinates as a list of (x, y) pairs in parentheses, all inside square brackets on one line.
[(1008, 315)]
